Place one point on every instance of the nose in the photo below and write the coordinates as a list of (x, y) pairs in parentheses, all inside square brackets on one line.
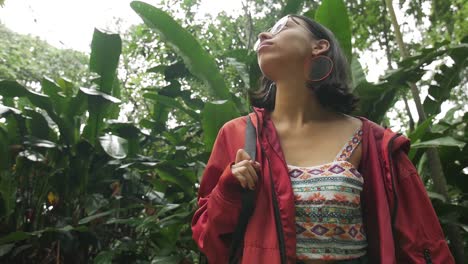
[(264, 35), (261, 37)]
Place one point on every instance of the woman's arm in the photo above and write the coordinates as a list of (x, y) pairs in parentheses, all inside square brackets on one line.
[(219, 202), (418, 234)]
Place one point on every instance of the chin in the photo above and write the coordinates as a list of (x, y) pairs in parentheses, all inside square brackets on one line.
[(270, 66)]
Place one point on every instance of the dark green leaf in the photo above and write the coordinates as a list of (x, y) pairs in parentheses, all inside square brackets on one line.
[(174, 175), (170, 102), (167, 260), (13, 237), (114, 146), (375, 99), (214, 116), (5, 249), (105, 53), (334, 15), (292, 7), (95, 202), (357, 73), (94, 92), (420, 130), (197, 60), (58, 98), (105, 257), (8, 189), (94, 217), (37, 124), (438, 142), (13, 89)]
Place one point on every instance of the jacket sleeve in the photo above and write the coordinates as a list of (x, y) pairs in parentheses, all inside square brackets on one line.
[(219, 203), (418, 234)]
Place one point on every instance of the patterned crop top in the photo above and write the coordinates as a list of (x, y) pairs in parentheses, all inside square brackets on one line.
[(328, 208)]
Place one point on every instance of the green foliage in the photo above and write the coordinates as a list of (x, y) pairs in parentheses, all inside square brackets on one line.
[(326, 15), (28, 59), (292, 7), (92, 188), (199, 62), (105, 53), (106, 49), (215, 115), (78, 185)]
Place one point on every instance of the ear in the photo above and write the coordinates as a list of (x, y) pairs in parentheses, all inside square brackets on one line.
[(320, 46)]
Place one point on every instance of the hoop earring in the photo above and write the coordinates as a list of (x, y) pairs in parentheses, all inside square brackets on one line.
[(318, 68)]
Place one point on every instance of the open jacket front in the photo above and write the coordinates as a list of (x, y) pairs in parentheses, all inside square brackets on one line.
[(393, 196)]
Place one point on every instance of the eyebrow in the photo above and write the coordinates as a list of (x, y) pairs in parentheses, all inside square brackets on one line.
[(289, 22)]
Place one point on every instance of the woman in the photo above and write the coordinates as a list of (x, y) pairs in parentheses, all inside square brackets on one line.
[(345, 189)]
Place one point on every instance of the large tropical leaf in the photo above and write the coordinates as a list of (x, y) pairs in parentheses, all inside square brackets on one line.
[(417, 135), (5, 161), (114, 146), (446, 78), (197, 60), (102, 101), (292, 7), (105, 53), (334, 15), (214, 115), (438, 142), (375, 99), (15, 127), (67, 106), (99, 105), (8, 189), (174, 175), (172, 103), (412, 68), (53, 90), (357, 73), (128, 131), (11, 89), (37, 124)]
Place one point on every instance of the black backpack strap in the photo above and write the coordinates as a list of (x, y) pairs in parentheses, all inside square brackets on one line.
[(248, 198), (250, 145)]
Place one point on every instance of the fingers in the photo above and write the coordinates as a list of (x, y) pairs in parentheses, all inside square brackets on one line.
[(249, 174), (245, 172), (242, 155)]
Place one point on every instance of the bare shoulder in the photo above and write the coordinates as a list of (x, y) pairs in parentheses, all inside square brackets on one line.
[(353, 124), (350, 122)]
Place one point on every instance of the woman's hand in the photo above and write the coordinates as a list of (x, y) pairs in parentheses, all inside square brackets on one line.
[(245, 169)]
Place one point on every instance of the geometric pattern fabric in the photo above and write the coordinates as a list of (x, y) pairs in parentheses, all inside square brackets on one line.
[(328, 208)]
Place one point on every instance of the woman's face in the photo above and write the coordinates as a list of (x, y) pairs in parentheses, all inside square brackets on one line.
[(285, 49)]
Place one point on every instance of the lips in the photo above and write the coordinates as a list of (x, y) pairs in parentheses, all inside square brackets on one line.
[(264, 43)]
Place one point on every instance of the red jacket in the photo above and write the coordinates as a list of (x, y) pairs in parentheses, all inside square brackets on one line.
[(393, 195)]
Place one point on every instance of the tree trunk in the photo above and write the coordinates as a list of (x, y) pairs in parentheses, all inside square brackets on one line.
[(411, 120), (435, 165)]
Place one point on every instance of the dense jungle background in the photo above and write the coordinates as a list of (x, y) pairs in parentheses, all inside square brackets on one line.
[(101, 153)]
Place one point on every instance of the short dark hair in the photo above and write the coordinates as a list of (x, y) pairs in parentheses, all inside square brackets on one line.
[(333, 92)]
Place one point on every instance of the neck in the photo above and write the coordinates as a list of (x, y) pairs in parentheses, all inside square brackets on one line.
[(296, 105)]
